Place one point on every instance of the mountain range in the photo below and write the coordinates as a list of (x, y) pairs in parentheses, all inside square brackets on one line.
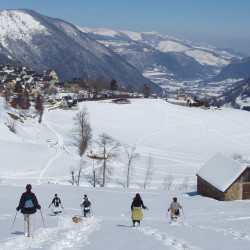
[(132, 58), (175, 64), (182, 59), (238, 97), (42, 42)]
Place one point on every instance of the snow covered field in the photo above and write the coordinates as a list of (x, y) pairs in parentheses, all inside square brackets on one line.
[(179, 140)]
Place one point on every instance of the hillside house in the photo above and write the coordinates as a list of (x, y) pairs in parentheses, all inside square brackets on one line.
[(47, 80), (183, 97), (17, 103), (121, 101), (68, 102), (53, 74), (224, 179)]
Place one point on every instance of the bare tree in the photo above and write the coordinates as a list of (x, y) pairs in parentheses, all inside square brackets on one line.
[(72, 172), (131, 156), (149, 171), (108, 148), (39, 106), (82, 129), (94, 157), (168, 181), (81, 166), (240, 158), (7, 94), (26, 100), (185, 184), (146, 90), (12, 125)]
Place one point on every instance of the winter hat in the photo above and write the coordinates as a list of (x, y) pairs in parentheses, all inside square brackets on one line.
[(85, 196)]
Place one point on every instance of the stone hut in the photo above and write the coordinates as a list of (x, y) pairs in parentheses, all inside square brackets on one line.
[(224, 179)]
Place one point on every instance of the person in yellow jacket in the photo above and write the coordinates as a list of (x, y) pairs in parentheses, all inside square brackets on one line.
[(136, 206)]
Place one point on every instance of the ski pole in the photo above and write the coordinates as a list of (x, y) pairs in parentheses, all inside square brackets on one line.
[(183, 213), (43, 220), (64, 211), (13, 223)]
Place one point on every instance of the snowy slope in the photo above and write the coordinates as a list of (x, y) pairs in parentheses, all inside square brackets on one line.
[(208, 224), (12, 22), (180, 140)]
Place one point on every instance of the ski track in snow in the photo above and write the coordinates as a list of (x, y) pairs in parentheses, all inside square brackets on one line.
[(59, 147), (47, 165), (226, 232), (66, 234), (167, 240), (157, 131)]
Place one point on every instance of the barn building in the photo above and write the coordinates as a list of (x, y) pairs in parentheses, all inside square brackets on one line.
[(224, 179)]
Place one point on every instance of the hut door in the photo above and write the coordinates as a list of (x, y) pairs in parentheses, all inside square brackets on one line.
[(246, 191)]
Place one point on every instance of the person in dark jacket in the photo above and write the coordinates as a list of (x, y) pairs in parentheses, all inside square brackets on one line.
[(57, 203), (28, 204), (86, 204), (136, 209)]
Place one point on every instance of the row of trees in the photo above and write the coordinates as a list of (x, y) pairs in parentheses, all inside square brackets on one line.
[(105, 150)]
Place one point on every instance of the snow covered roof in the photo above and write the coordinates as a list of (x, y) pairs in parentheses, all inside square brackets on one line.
[(221, 171)]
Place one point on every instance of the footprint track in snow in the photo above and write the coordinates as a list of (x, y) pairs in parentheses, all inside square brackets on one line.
[(167, 239), (67, 233), (226, 232)]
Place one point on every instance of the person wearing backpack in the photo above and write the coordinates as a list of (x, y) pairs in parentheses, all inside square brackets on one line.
[(86, 204), (57, 203), (174, 207), (28, 204)]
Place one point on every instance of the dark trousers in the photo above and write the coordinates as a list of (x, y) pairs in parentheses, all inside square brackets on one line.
[(85, 212), (134, 221)]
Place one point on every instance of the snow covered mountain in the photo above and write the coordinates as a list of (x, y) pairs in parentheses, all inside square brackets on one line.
[(238, 69), (237, 97), (163, 58), (42, 42)]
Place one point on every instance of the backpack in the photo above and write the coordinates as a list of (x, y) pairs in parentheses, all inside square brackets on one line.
[(86, 202), (28, 205), (57, 202)]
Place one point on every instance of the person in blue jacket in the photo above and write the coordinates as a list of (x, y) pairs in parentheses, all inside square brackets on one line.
[(28, 204)]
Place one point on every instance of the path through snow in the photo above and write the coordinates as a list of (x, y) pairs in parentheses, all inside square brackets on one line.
[(66, 234)]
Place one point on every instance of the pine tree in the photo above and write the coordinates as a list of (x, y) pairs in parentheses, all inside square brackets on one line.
[(39, 106), (18, 88), (26, 100), (39, 103), (113, 85)]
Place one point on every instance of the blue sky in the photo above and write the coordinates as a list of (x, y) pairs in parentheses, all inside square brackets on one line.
[(224, 23)]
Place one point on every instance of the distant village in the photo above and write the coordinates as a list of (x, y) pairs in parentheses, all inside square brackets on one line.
[(16, 83), (20, 85)]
